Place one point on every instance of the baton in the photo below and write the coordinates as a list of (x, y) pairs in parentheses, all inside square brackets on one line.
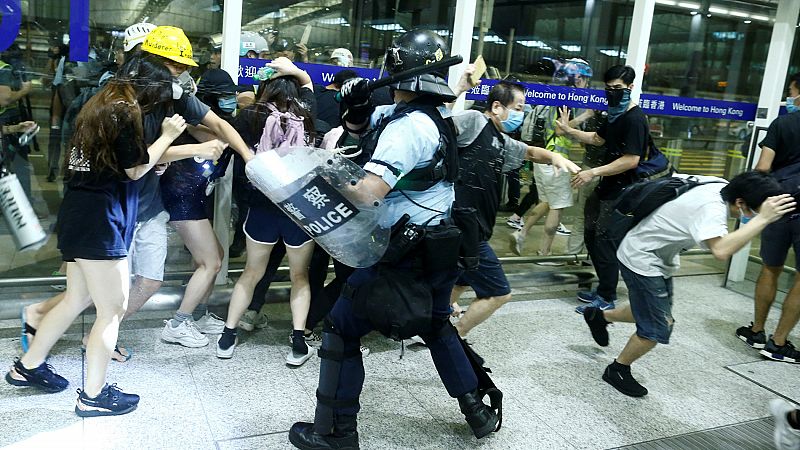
[(400, 76)]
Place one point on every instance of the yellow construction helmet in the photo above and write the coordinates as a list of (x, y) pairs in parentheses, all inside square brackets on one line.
[(170, 43)]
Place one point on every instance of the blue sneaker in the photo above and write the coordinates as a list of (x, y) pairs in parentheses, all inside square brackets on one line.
[(598, 302), (587, 296), (42, 377), (110, 402)]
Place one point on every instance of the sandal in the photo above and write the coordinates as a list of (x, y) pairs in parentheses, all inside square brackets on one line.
[(27, 330), (117, 355)]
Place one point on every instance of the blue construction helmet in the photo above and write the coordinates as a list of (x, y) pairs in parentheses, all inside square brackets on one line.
[(572, 68)]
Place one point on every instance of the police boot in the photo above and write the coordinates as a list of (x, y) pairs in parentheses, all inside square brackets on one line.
[(344, 436), (480, 417)]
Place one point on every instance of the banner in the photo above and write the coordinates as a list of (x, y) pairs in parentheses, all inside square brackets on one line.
[(545, 94)]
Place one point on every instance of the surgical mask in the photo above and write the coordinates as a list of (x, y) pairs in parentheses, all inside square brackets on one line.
[(618, 102), (513, 122), (790, 106), (227, 104), (743, 219)]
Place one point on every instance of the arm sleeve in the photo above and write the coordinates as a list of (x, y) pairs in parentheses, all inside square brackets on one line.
[(711, 222), (773, 136), (602, 130), (469, 125), (192, 109), (514, 154), (400, 149)]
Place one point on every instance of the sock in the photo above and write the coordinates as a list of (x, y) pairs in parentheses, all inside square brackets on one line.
[(794, 419), (619, 367), (228, 338), (299, 342), (179, 317), (200, 311)]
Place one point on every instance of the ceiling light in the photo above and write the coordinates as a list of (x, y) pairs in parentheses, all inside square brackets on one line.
[(694, 13), (748, 21), (667, 2), (534, 44), (761, 18), (689, 5), (388, 27), (715, 10), (739, 14), (571, 48)]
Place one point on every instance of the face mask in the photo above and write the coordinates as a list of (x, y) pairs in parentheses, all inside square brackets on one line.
[(513, 122), (186, 83), (790, 106), (177, 90), (618, 102), (227, 104), (743, 219)]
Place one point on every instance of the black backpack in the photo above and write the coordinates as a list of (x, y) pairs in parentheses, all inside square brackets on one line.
[(641, 199)]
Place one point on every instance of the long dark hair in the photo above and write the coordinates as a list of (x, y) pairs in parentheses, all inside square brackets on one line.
[(140, 85), (284, 93)]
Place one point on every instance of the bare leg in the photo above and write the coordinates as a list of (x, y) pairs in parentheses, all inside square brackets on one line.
[(257, 256), (455, 294), (550, 227), (537, 213), (621, 314), (59, 318), (766, 287), (635, 349), (109, 284), (480, 310), (199, 237), (141, 290), (790, 313), (34, 313), (300, 296)]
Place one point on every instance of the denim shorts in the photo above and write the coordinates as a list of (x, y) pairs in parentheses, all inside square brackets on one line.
[(776, 240), (651, 305), (488, 280)]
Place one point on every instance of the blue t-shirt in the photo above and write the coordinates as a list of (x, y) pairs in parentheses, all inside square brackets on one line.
[(408, 143), (193, 111)]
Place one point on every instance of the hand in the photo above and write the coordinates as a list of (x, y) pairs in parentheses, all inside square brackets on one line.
[(23, 126), (302, 49), (172, 127), (355, 92), (582, 177), (211, 150), (563, 120), (283, 67), (26, 87), (776, 207), (560, 163), (465, 82)]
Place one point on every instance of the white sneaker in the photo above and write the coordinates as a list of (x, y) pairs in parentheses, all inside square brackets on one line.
[(517, 241), (253, 319), (226, 354), (210, 324), (185, 334), (786, 437), (298, 359), (364, 351), (562, 230), (517, 224), (415, 340)]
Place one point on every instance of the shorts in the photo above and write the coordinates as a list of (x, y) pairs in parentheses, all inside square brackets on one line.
[(488, 280), (266, 225), (777, 238), (148, 253), (651, 305), (554, 189)]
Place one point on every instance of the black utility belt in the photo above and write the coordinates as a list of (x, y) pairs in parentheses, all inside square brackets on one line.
[(435, 247)]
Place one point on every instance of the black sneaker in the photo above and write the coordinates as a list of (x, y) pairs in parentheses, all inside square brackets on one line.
[(43, 377), (110, 402), (623, 381), (755, 340), (597, 325), (786, 353)]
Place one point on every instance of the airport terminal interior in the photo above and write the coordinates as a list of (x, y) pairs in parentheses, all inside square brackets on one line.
[(711, 77)]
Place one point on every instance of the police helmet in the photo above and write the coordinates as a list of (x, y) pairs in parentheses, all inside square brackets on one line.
[(417, 48)]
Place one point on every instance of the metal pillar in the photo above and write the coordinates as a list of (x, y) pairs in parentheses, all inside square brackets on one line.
[(769, 99), (462, 43), (639, 42), (231, 30)]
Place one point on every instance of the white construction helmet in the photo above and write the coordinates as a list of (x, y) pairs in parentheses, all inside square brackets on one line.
[(135, 34), (342, 57)]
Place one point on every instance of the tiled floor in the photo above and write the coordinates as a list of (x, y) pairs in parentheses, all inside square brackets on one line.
[(540, 351)]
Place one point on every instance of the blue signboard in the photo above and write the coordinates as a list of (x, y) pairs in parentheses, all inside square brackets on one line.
[(545, 94)]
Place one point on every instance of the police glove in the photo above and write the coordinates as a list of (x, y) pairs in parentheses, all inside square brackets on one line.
[(355, 92)]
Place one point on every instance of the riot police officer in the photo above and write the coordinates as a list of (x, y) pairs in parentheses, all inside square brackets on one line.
[(413, 165)]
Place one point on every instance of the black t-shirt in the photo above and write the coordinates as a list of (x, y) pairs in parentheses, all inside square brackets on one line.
[(250, 124), (484, 155), (628, 135), (783, 136), (327, 106)]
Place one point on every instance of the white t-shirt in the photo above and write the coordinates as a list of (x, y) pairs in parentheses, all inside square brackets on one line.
[(652, 247)]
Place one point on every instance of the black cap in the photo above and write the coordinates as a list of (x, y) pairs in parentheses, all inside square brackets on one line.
[(282, 44), (216, 81)]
